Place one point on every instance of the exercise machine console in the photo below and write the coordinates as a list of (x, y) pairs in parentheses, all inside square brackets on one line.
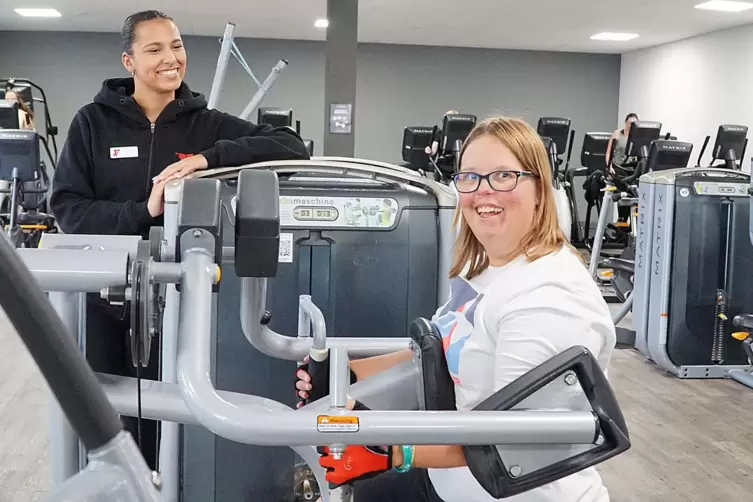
[(729, 147), (276, 117)]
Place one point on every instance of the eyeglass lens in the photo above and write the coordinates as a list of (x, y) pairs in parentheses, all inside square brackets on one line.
[(502, 181)]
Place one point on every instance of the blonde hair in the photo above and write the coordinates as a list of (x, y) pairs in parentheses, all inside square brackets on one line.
[(545, 235)]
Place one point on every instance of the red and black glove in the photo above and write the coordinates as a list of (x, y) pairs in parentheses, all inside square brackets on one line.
[(357, 463)]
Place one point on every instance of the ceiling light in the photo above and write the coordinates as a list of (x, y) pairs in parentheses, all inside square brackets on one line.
[(725, 6), (618, 37), (38, 12), (322, 22)]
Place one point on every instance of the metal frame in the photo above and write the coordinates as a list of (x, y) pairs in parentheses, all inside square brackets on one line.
[(228, 48), (654, 271), (187, 395)]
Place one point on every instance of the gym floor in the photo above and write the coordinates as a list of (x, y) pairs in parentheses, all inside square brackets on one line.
[(692, 440)]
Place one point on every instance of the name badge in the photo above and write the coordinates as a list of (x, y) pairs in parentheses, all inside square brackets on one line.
[(124, 152)]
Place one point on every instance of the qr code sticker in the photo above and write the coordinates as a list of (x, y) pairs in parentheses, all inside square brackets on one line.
[(286, 248)]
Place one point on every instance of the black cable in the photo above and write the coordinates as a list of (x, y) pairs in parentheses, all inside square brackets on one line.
[(136, 331)]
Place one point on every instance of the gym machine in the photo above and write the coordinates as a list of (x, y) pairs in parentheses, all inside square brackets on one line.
[(24, 184), (558, 140), (227, 48), (729, 147), (745, 321), (455, 128), (24, 89), (609, 193), (593, 157), (416, 139), (186, 260), (282, 117), (693, 260), (663, 155)]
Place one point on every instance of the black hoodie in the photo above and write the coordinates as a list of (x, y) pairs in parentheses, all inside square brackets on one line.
[(104, 175)]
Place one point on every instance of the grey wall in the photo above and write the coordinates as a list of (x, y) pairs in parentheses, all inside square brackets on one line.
[(397, 85)]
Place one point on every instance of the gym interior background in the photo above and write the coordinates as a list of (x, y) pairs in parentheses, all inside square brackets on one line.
[(688, 69)]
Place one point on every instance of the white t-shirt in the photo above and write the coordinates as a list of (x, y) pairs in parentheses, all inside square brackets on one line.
[(505, 322)]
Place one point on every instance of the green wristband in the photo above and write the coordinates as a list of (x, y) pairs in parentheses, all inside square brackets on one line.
[(407, 458)]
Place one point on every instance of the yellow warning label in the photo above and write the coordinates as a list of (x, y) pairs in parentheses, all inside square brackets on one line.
[(327, 423)]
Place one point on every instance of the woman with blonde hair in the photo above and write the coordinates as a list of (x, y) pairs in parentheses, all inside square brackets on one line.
[(520, 295)]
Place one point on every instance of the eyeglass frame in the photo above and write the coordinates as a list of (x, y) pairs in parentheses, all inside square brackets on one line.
[(482, 177)]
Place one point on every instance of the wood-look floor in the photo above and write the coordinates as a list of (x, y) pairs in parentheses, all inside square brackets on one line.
[(691, 440)]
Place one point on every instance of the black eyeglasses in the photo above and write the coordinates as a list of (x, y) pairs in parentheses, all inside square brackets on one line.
[(500, 181)]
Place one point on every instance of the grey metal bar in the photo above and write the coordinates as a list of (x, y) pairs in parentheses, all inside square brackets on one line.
[(601, 227), (263, 90), (163, 401), (624, 310), (221, 69), (166, 272), (129, 243), (315, 317), (65, 460), (173, 192), (339, 377), (742, 376), (68, 270), (253, 426), (394, 389), (253, 300)]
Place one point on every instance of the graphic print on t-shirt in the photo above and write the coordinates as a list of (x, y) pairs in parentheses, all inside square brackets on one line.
[(455, 322)]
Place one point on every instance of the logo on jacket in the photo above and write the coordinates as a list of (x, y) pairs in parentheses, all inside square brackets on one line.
[(455, 323), (182, 156)]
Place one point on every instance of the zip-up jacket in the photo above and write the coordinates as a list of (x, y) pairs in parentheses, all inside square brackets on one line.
[(104, 175)]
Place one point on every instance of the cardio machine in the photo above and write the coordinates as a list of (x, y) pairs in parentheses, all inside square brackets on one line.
[(693, 260), (663, 155), (558, 140), (24, 184), (613, 192), (729, 147), (622, 177), (282, 117), (171, 281)]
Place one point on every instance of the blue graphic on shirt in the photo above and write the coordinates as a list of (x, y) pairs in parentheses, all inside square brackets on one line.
[(455, 322)]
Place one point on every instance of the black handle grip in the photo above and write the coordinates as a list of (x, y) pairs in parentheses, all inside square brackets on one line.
[(487, 466), (319, 372)]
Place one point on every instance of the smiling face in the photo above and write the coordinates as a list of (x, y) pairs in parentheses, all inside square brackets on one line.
[(158, 58), (499, 219)]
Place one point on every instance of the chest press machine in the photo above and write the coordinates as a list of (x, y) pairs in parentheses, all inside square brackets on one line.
[(411, 403)]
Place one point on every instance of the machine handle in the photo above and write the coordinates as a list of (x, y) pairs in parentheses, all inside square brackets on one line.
[(319, 373), (487, 466)]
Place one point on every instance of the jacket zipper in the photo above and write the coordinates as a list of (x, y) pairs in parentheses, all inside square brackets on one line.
[(149, 165)]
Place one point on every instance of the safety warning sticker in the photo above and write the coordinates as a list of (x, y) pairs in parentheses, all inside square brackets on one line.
[(326, 423)]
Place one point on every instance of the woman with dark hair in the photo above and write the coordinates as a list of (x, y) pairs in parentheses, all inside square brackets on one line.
[(620, 136), (138, 134)]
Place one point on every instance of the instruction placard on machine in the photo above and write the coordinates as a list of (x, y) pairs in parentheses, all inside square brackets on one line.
[(328, 423), (332, 212), (337, 212)]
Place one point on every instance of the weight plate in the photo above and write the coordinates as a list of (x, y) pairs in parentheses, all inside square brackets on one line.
[(156, 236)]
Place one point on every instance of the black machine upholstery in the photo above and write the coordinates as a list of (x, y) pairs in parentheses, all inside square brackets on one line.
[(439, 389)]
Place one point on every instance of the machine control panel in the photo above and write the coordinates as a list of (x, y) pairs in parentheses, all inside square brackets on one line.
[(727, 189)]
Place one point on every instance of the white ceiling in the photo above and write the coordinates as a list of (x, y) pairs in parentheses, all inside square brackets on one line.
[(559, 25)]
